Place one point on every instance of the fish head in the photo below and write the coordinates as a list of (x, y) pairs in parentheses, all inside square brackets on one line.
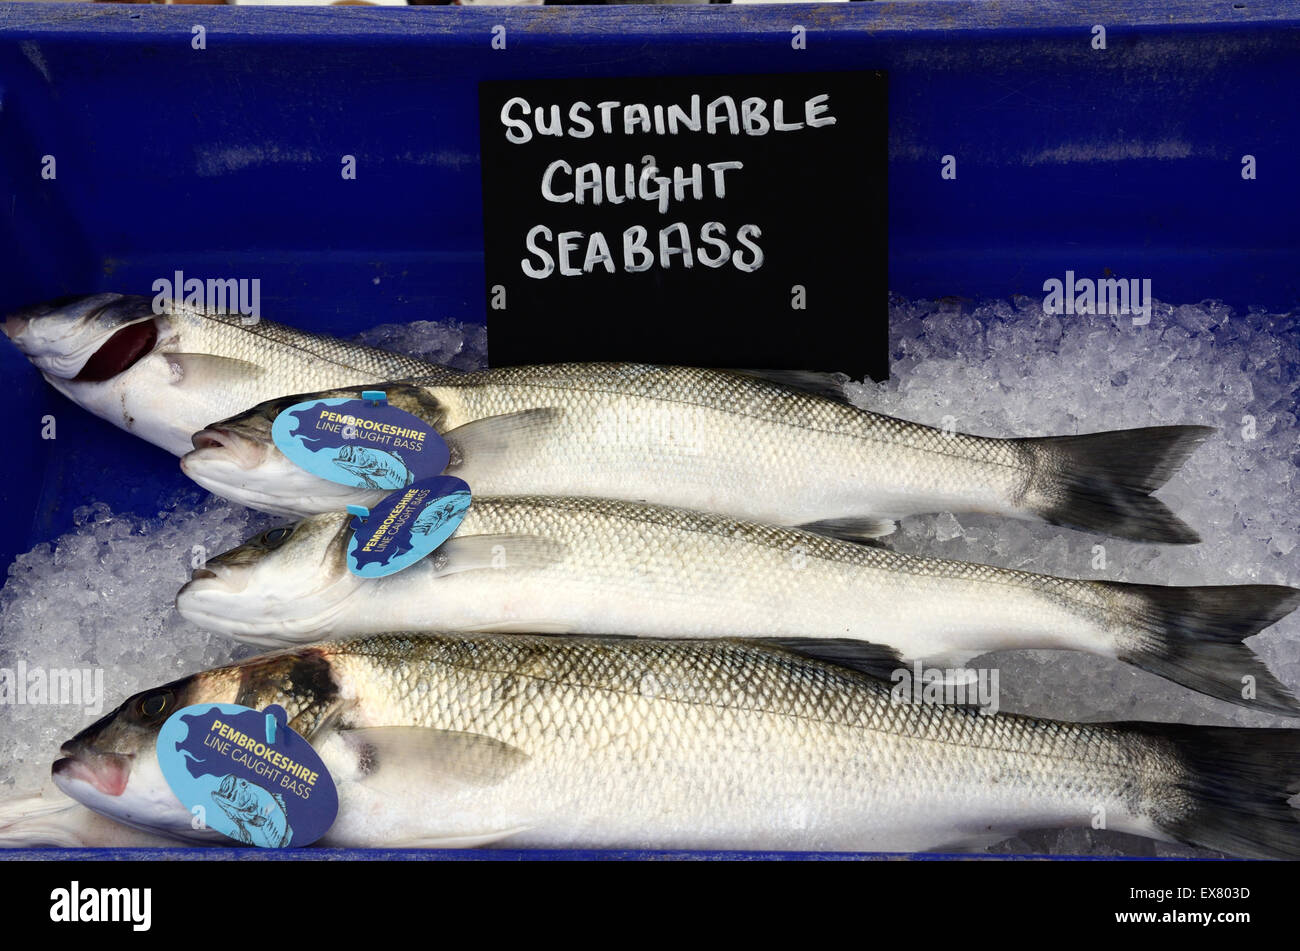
[(237, 796), (84, 339), (237, 458), (143, 365), (283, 586), (357, 456), (112, 766)]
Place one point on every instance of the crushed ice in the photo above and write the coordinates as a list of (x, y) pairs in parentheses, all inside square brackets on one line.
[(1000, 368)]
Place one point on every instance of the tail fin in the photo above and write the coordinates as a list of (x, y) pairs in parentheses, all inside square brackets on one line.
[(47, 819), (1103, 481), (1193, 636), (1229, 788)]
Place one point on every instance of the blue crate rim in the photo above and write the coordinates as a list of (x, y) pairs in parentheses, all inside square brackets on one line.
[(467, 25), (929, 19), (190, 853)]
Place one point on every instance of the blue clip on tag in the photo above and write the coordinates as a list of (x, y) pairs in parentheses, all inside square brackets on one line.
[(270, 794), (360, 442), (407, 526)]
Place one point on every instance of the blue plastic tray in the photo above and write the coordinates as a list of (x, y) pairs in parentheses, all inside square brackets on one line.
[(225, 161)]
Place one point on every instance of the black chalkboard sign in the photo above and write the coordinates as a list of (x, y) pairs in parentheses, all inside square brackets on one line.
[(732, 221)]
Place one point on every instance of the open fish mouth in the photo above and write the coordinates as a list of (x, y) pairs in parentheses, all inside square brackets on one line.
[(226, 791), (108, 773), (232, 796), (123, 350), (84, 340), (214, 579)]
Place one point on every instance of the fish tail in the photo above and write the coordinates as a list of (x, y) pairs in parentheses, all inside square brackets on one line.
[(1103, 481), (1226, 788), (38, 820), (1193, 636)]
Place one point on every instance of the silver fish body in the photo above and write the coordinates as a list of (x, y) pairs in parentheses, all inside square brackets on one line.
[(600, 566), (643, 743), (766, 449), (164, 373)]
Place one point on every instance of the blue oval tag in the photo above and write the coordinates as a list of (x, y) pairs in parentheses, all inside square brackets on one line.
[(406, 526), (247, 775), (364, 443)]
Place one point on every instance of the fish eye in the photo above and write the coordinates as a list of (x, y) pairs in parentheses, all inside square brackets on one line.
[(155, 704), (277, 536)]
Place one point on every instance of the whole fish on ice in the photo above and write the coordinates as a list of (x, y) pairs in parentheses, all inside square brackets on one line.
[(628, 743), (785, 448), (164, 375), (600, 566)]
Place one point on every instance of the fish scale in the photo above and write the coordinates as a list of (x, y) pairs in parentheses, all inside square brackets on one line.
[(292, 361), (779, 446), (732, 738), (683, 422), (706, 576), (602, 566), (442, 740)]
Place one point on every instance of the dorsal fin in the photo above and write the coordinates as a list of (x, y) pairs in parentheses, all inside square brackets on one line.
[(827, 385), (874, 660)]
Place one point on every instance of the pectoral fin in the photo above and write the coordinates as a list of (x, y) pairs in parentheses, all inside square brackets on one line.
[(973, 841), (395, 759), (496, 552), (206, 369), (484, 442)]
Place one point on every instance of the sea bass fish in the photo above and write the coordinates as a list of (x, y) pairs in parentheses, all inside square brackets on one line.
[(164, 375), (628, 743), (599, 566), (784, 448)]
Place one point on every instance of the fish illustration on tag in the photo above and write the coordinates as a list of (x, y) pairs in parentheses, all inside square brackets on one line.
[(260, 816)]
